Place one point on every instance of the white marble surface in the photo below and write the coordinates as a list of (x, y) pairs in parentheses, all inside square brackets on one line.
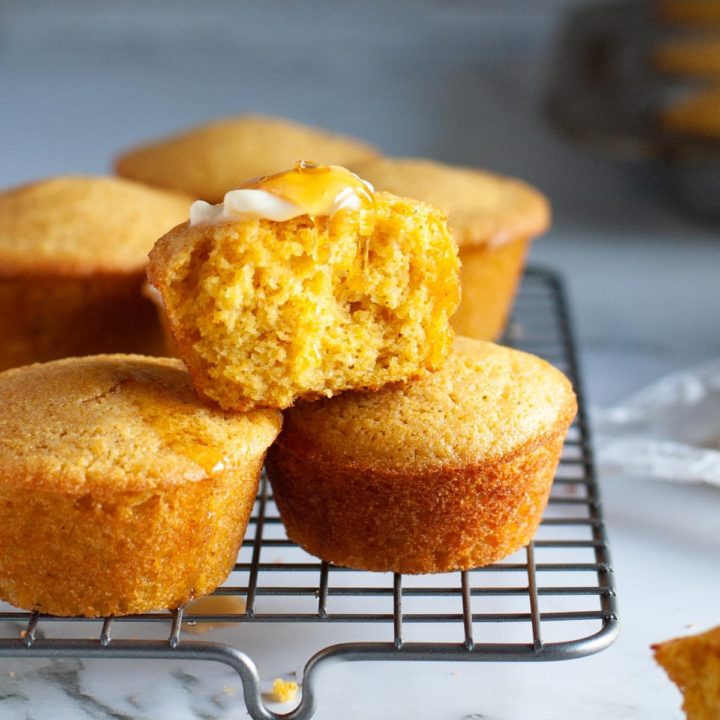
[(459, 81)]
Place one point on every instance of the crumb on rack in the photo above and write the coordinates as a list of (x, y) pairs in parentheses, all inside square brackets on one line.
[(284, 690)]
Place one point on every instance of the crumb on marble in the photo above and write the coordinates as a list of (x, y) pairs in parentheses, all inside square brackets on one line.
[(284, 690)]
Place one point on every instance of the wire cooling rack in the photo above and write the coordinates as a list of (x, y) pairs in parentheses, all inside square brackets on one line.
[(554, 600)]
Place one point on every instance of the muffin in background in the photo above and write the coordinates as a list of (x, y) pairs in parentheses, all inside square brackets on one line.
[(211, 159), (73, 252), (493, 220), (451, 471), (693, 664), (120, 492), (345, 289), (694, 13), (691, 57), (697, 115)]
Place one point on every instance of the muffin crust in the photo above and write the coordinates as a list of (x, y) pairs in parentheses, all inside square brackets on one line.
[(119, 491), (449, 472), (209, 160), (73, 252)]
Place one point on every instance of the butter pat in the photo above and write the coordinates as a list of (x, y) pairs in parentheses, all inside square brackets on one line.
[(237, 203), (307, 189)]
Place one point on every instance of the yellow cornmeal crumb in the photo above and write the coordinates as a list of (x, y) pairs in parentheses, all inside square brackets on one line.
[(265, 312), (284, 691)]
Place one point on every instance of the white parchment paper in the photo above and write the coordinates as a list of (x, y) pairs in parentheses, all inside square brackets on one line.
[(669, 431)]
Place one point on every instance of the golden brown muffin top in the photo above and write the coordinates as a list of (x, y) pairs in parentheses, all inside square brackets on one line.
[(486, 402), (80, 225), (482, 208), (111, 423), (209, 160)]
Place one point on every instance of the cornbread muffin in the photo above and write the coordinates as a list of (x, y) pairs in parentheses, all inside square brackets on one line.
[(493, 219), (697, 115), (209, 160), (703, 13), (449, 472), (73, 252), (694, 57), (693, 664), (266, 312), (119, 491)]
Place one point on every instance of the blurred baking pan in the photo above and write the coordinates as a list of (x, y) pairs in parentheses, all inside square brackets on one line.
[(637, 81)]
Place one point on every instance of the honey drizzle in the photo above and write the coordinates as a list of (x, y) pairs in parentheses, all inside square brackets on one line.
[(166, 411), (213, 605), (320, 190)]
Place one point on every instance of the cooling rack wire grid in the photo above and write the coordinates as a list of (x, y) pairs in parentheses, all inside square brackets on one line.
[(554, 600)]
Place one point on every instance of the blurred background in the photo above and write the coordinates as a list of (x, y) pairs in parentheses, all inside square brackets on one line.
[(463, 81), (512, 86), (459, 80)]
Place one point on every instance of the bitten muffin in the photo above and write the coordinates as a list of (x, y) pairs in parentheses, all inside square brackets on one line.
[(492, 218), (73, 252), (693, 664), (449, 472), (264, 312), (119, 491), (209, 160)]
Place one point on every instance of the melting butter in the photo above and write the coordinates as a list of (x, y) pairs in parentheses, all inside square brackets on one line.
[(307, 189)]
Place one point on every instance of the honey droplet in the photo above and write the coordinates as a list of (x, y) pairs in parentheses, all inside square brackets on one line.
[(213, 605), (317, 189), (173, 417)]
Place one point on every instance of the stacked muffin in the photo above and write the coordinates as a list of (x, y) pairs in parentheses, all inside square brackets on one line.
[(127, 481), (400, 451)]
